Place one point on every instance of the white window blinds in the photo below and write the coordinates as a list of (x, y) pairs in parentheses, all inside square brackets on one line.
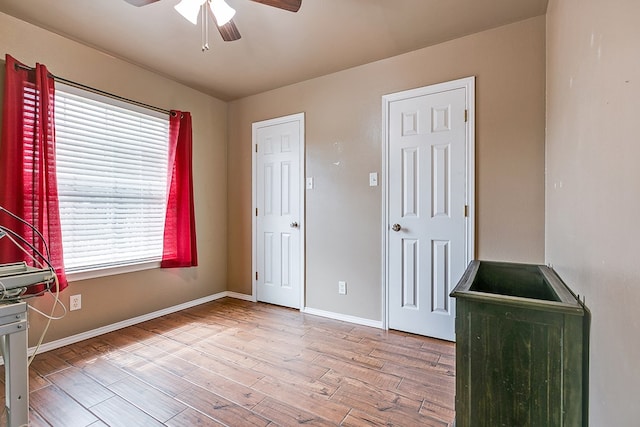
[(112, 180)]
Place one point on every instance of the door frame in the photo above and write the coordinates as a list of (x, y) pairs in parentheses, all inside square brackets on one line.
[(468, 83), (299, 117)]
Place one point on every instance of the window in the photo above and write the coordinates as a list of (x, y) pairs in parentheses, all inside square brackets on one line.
[(112, 180)]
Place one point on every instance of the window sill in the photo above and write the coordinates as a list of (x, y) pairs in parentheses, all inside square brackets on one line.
[(111, 271)]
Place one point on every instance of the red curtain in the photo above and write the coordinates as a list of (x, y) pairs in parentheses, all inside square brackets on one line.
[(180, 249), (28, 184)]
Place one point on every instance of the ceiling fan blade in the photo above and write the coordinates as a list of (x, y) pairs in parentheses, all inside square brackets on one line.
[(139, 3), (229, 32), (290, 5)]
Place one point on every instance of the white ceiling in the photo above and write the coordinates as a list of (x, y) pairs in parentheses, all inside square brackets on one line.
[(277, 48)]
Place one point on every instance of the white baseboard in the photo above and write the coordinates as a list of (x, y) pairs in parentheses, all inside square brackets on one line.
[(343, 317), (244, 297), (52, 345)]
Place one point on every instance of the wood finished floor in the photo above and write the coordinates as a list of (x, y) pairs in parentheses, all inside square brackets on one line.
[(237, 363)]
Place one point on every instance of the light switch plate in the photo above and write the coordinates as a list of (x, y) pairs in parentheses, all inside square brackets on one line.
[(342, 287), (373, 179)]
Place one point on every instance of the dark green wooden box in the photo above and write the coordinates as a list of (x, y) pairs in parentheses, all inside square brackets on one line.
[(521, 348)]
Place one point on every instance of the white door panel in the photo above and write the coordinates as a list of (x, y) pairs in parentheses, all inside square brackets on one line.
[(427, 193), (278, 212)]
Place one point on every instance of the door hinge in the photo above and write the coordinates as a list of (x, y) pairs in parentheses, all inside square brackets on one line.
[(256, 275), (257, 146), (466, 211), (256, 211), (466, 115)]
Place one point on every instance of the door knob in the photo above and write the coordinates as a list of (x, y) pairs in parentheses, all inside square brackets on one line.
[(396, 227), (293, 225)]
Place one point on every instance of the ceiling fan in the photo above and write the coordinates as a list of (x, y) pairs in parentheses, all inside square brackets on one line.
[(221, 12)]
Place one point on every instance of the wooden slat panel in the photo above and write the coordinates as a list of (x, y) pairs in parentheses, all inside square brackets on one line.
[(191, 417), (220, 409), (36, 420), (345, 369), (287, 415), (235, 392), (101, 370), (316, 403), (48, 363), (36, 381), (159, 378), (406, 356), (438, 393), (117, 412), (395, 408), (230, 370), (357, 418), (153, 402), (81, 387), (65, 412), (176, 364)]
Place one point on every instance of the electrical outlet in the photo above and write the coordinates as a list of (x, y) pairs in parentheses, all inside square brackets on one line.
[(75, 302), (342, 287)]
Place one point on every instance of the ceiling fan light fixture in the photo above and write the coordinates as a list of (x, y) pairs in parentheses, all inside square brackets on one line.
[(189, 9), (222, 12)]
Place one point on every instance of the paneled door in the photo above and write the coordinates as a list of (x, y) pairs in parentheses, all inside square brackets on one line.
[(278, 205), (428, 203)]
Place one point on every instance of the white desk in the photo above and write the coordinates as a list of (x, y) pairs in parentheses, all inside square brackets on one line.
[(13, 343)]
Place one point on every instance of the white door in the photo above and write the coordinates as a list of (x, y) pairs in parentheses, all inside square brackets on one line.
[(278, 204), (427, 206)]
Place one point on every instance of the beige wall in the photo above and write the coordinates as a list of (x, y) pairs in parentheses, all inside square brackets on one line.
[(343, 142), (115, 298), (593, 187), (343, 128)]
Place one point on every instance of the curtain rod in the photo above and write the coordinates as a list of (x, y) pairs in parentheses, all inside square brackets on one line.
[(98, 91)]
